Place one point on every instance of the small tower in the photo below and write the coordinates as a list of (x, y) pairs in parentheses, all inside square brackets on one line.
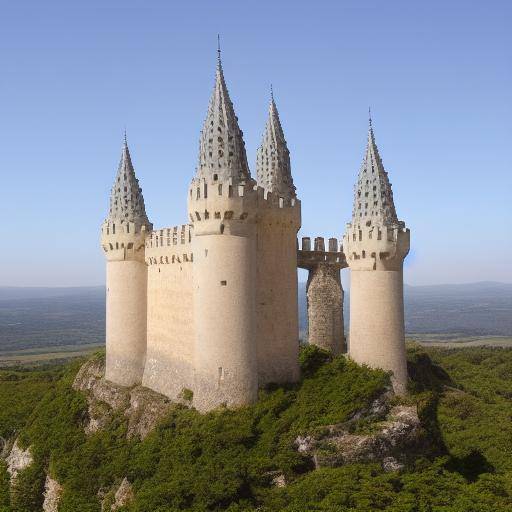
[(375, 244), (279, 219), (122, 237), (222, 208), (324, 293)]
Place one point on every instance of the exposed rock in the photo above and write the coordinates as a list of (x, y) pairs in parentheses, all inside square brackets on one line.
[(377, 410), (116, 497), (391, 464), (143, 407), (123, 496), (279, 480), (304, 444), (52, 494), (146, 409), (90, 378), (392, 442), (18, 460)]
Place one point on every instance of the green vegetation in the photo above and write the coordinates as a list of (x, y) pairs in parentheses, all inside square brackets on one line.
[(226, 460)]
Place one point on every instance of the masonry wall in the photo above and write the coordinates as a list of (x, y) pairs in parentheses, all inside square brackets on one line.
[(277, 324), (325, 308), (170, 311)]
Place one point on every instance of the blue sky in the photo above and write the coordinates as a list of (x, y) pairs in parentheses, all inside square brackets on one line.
[(437, 74)]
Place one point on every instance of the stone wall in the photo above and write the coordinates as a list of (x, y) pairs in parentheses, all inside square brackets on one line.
[(170, 316), (325, 308)]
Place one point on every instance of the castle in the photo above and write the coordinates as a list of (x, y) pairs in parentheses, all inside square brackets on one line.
[(210, 306)]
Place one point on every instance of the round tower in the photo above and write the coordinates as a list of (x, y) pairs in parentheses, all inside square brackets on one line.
[(222, 206), (123, 239), (276, 266), (375, 244)]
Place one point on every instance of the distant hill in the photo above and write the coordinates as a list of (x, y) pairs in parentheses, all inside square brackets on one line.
[(42, 292), (35, 317)]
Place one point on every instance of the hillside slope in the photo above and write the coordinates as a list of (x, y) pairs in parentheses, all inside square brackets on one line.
[(285, 453)]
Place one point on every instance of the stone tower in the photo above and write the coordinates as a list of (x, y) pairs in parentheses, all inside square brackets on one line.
[(222, 206), (324, 293), (123, 236), (279, 219), (375, 245)]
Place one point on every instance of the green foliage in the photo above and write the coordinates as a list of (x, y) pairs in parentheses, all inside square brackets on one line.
[(311, 358), (4, 486), (187, 394), (225, 460), (27, 492), (20, 391)]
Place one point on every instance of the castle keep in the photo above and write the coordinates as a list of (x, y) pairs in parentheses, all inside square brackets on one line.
[(211, 306)]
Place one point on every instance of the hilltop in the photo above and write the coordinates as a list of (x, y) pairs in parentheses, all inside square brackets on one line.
[(292, 451)]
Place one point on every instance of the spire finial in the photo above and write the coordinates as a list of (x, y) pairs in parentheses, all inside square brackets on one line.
[(125, 139), (271, 92), (370, 117), (218, 47)]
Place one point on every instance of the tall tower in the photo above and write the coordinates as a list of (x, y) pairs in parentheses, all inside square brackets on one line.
[(222, 206), (122, 237), (375, 244), (279, 219)]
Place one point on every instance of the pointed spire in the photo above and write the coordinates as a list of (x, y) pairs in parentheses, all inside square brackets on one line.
[(221, 146), (126, 200), (273, 158), (373, 201)]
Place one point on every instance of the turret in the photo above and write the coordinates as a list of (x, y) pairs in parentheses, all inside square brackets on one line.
[(375, 244), (279, 219), (273, 166), (123, 238), (222, 207)]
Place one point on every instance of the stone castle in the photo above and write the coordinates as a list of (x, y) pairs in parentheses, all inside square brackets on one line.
[(209, 309)]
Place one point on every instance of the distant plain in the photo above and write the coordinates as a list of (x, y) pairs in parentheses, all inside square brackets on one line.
[(52, 324)]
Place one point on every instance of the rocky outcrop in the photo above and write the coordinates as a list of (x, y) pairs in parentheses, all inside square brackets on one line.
[(143, 407), (123, 496), (17, 460), (116, 497), (392, 442), (52, 494), (146, 409)]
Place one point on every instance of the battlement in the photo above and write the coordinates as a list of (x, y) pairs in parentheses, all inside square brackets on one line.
[(376, 247), (122, 240), (307, 258), (212, 199), (170, 245)]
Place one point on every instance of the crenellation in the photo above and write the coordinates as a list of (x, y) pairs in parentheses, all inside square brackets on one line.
[(307, 258)]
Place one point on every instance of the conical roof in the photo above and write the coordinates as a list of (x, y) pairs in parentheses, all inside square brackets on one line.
[(373, 199), (126, 200), (273, 158), (221, 147)]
